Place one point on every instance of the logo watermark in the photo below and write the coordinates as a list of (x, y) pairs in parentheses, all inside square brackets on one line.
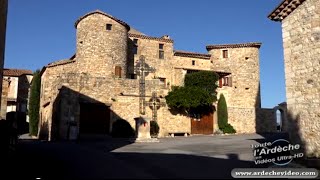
[(278, 152)]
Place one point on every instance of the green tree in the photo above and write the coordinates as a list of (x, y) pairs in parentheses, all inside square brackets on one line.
[(34, 103), (223, 116), (197, 94)]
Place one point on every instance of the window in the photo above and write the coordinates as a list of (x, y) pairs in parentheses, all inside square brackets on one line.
[(193, 62), (225, 53), (109, 27), (118, 71), (135, 46), (135, 42), (161, 51), (163, 82), (225, 81)]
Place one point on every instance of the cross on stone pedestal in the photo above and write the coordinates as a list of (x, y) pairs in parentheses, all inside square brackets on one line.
[(155, 104), (142, 69)]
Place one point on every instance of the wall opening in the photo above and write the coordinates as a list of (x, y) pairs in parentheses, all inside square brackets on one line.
[(279, 120)]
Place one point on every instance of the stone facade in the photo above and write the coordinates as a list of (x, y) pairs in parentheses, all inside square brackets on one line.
[(16, 90), (102, 72), (3, 25), (4, 95), (301, 42)]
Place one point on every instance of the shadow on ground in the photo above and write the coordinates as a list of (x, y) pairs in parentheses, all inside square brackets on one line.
[(95, 160)]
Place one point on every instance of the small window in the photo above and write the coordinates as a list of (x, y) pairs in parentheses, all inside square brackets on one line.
[(135, 41), (163, 81), (161, 54), (109, 27), (161, 46), (227, 81), (135, 46), (193, 62), (161, 51), (118, 71), (225, 53)]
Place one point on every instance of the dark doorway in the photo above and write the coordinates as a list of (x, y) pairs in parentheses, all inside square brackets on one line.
[(203, 125), (94, 118)]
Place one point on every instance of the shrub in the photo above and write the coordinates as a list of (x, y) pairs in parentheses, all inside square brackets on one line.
[(154, 128), (222, 112), (122, 129), (228, 129)]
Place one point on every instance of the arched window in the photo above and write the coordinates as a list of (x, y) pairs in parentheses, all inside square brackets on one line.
[(118, 71)]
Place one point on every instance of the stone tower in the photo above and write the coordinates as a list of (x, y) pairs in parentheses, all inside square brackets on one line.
[(239, 64), (102, 44)]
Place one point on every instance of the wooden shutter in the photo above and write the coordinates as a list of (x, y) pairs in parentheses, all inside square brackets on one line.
[(118, 71), (230, 81), (220, 82)]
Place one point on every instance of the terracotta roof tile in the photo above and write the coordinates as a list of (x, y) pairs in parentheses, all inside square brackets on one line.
[(103, 13), (162, 39), (284, 9), (191, 54), (242, 45), (16, 72)]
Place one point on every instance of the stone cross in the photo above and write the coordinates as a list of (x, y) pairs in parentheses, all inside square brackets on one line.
[(142, 69), (155, 104)]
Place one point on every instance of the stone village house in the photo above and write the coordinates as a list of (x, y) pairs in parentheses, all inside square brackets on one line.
[(300, 21), (98, 85), (15, 91)]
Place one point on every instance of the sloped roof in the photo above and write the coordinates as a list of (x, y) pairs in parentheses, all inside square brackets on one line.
[(162, 39), (16, 72), (284, 9), (103, 13), (61, 62), (240, 45), (191, 54)]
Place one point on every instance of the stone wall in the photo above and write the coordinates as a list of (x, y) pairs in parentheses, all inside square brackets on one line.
[(266, 121), (3, 25), (150, 49), (301, 43), (243, 64), (4, 96)]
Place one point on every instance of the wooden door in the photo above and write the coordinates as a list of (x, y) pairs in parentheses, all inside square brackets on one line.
[(202, 126)]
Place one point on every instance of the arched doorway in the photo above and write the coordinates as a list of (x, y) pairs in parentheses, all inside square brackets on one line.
[(279, 120)]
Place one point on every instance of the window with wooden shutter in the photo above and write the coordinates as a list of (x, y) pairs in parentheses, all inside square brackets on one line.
[(118, 71), (225, 81)]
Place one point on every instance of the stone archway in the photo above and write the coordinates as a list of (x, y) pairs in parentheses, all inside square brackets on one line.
[(280, 112)]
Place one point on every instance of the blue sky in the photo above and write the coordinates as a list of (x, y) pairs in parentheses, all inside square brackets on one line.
[(42, 31)]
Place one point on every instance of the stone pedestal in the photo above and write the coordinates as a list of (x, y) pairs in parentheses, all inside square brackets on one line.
[(143, 130)]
